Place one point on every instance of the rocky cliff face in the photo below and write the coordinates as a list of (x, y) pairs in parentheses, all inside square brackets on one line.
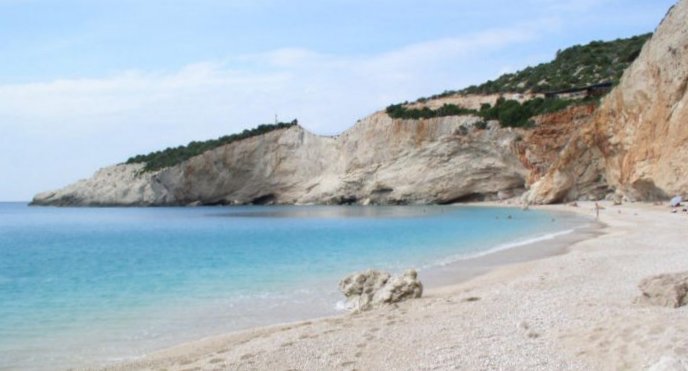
[(114, 185), (379, 161), (637, 143), (541, 146)]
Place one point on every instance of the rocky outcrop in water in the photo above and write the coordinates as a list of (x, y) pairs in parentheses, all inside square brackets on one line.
[(370, 289)]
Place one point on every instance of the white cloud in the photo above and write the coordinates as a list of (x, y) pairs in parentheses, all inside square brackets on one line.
[(249, 86)]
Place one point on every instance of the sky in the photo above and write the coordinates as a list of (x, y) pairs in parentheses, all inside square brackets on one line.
[(89, 83)]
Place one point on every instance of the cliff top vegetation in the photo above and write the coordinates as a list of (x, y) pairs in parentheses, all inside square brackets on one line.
[(579, 65), (509, 113), (174, 155)]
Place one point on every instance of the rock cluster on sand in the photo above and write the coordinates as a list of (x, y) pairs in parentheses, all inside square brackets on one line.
[(372, 288), (668, 290)]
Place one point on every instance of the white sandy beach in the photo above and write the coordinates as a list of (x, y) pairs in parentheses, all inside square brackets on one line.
[(571, 311)]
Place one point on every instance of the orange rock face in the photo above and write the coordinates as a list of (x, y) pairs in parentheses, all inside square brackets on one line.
[(637, 142), (541, 146)]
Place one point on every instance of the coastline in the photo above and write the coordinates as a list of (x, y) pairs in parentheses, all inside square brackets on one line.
[(296, 344)]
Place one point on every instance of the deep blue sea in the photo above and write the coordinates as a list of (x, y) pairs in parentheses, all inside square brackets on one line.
[(88, 286)]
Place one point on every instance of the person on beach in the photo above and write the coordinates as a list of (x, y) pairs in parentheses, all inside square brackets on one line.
[(597, 211)]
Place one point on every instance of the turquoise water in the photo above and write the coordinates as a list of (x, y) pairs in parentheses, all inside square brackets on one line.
[(87, 286)]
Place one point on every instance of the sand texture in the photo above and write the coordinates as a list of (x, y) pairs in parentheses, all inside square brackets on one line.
[(577, 311)]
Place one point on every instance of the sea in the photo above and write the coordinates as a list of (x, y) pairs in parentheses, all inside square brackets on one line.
[(94, 286)]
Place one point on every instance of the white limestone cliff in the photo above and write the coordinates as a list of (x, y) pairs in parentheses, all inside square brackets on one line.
[(379, 160)]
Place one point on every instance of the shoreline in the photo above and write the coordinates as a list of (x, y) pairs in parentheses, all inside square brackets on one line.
[(441, 280), (535, 248), (467, 268)]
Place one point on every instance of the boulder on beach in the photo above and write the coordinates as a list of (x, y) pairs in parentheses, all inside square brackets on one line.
[(617, 199), (667, 290), (373, 288)]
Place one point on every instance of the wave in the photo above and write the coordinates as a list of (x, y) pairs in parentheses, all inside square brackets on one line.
[(498, 248)]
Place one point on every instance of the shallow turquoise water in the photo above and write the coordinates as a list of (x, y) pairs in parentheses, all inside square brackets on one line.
[(88, 286)]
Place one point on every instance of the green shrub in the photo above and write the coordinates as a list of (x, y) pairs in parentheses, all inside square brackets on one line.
[(399, 111), (509, 113)]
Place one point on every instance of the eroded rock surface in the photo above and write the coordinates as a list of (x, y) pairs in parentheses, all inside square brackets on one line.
[(667, 290), (372, 288)]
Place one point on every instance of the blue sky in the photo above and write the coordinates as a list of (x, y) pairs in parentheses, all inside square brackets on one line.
[(84, 84)]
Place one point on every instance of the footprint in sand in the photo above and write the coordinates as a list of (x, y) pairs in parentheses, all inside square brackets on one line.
[(621, 349), (657, 330), (186, 362), (627, 333)]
